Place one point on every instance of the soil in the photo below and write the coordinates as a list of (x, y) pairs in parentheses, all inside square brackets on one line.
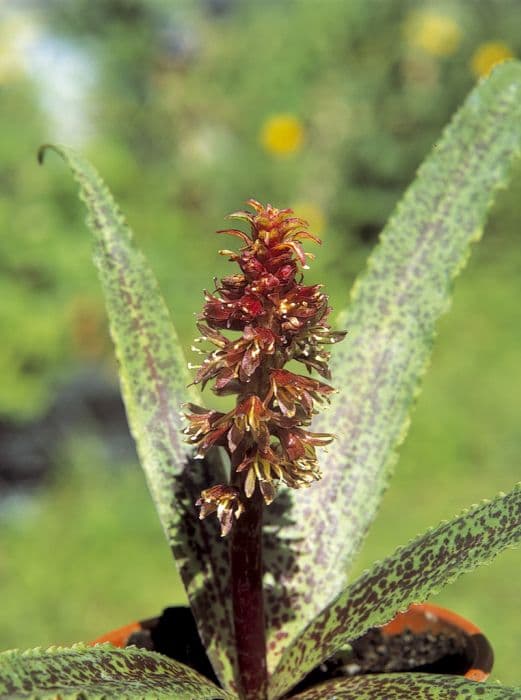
[(185, 646), (441, 652), (427, 652)]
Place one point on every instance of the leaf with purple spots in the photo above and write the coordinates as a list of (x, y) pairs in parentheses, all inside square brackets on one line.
[(405, 686), (154, 378), (391, 324), (99, 673), (410, 575)]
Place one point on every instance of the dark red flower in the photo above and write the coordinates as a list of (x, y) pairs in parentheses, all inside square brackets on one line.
[(293, 390), (234, 361), (298, 444), (231, 314), (226, 501), (205, 428), (251, 421)]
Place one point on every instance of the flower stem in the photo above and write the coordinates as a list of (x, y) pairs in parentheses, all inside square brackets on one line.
[(248, 601)]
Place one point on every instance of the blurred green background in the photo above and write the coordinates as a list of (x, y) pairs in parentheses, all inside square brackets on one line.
[(187, 109)]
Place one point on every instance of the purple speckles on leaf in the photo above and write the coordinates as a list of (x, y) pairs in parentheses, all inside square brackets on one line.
[(410, 575), (392, 321), (154, 379)]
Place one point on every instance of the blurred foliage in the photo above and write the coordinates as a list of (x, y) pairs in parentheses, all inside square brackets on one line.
[(47, 287), (198, 106)]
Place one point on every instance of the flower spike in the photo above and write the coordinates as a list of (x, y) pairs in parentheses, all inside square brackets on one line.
[(278, 319)]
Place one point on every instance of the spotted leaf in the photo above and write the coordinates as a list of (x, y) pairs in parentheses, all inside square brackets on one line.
[(404, 686), (154, 378), (410, 575), (391, 325), (99, 673)]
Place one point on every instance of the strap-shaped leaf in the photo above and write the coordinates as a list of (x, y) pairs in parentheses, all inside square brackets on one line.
[(391, 327), (410, 575), (405, 686), (99, 673), (153, 375)]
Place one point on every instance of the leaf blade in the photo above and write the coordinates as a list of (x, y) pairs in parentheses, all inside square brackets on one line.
[(101, 672), (154, 379), (391, 327), (421, 686), (414, 572)]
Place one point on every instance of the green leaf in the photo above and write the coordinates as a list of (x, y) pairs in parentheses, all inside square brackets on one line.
[(101, 672), (405, 686), (391, 325), (153, 375), (410, 575)]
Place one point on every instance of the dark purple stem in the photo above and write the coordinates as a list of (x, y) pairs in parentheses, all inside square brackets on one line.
[(248, 601)]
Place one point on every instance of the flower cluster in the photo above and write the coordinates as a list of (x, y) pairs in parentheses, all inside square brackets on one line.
[(279, 319)]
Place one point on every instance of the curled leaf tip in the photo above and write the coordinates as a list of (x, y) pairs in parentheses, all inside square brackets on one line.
[(40, 155)]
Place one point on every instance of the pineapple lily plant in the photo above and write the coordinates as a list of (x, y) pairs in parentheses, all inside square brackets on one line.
[(266, 563)]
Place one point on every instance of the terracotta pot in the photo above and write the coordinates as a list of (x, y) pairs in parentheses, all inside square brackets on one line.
[(427, 617), (476, 665), (119, 637)]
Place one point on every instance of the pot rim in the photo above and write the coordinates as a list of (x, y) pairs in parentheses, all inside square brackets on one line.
[(479, 648)]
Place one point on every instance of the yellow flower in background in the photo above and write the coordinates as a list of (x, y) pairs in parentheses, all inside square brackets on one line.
[(282, 134), (488, 55), (434, 33), (313, 214)]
